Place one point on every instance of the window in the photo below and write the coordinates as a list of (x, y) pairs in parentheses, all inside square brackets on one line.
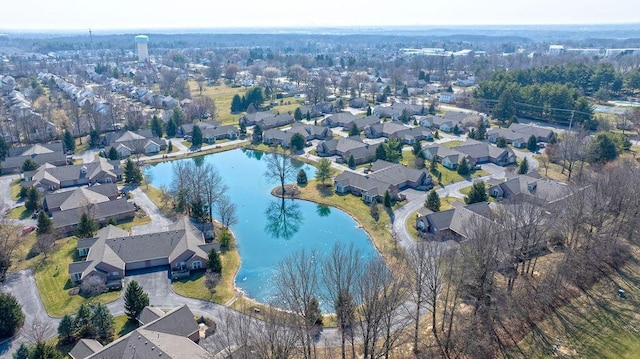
[(197, 265), (76, 276)]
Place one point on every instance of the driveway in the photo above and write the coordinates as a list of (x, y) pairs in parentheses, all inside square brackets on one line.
[(5, 189), (23, 286), (159, 222)]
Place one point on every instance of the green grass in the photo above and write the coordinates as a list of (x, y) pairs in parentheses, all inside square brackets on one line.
[(54, 283), (136, 221), (15, 189), (194, 286), (451, 176), (454, 143), (222, 96), (123, 325), (19, 212)]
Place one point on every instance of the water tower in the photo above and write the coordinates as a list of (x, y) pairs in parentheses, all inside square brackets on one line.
[(143, 52)]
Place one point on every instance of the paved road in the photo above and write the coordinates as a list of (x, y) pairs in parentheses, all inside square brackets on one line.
[(158, 223), (23, 286)]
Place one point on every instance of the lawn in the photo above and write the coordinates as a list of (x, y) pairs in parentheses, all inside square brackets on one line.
[(136, 221), (598, 324), (15, 189), (453, 143), (19, 212), (194, 286), (222, 96), (123, 325), (54, 284), (451, 176)]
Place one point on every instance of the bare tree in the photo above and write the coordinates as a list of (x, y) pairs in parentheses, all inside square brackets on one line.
[(280, 168), (39, 331), (226, 211), (8, 241), (278, 337)]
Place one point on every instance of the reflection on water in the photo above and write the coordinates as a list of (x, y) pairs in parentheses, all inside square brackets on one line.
[(323, 210), (283, 218)]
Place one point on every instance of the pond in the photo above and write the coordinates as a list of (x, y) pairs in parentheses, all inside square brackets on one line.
[(268, 231)]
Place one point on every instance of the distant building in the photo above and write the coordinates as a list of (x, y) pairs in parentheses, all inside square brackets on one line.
[(143, 52), (555, 50)]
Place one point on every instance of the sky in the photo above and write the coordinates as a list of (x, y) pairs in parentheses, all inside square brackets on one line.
[(148, 14)]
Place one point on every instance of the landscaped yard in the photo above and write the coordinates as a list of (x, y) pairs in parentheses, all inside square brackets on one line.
[(54, 283), (19, 212), (445, 204), (453, 143), (451, 176), (222, 96)]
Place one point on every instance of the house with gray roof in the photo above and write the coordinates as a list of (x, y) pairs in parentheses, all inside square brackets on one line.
[(344, 147), (275, 121), (53, 178), (383, 176), (129, 142), (172, 335), (362, 122), (68, 220), (340, 119), (453, 222), (476, 152), (52, 153), (276, 137), (251, 119), (81, 196), (213, 134), (530, 185), (516, 139), (410, 135), (186, 129), (384, 129), (111, 255)]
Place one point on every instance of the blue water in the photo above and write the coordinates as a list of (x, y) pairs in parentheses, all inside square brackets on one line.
[(264, 240)]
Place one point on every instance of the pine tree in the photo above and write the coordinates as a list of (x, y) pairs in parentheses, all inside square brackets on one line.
[(236, 104), (213, 263), (297, 114), (83, 325), (113, 154), (177, 116), (87, 227), (368, 110), (172, 128), (433, 201), (11, 315), (257, 134), (351, 162), (22, 352), (135, 299), (433, 165), (353, 130), (103, 322), (29, 165), (196, 136), (456, 130), (532, 143), (132, 173), (69, 141), (501, 142), (66, 329), (381, 153), (463, 167), (44, 223), (301, 178), (156, 126), (170, 147), (387, 199), (432, 109), (477, 194), (523, 167), (44, 350)]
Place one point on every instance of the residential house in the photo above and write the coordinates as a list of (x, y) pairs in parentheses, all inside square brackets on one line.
[(384, 129), (51, 153), (251, 119), (542, 134), (67, 220), (129, 142), (53, 178), (362, 122), (410, 135), (213, 134), (453, 223), (172, 335), (516, 139), (112, 254), (79, 197), (276, 137), (530, 185), (384, 176), (441, 123), (395, 111), (450, 158), (358, 103), (340, 119), (186, 129), (447, 97), (346, 147), (481, 152), (275, 121)]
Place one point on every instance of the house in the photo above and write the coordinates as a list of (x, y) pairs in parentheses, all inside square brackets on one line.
[(447, 97), (528, 130), (481, 152), (384, 176), (441, 123), (251, 119), (112, 254), (276, 137), (347, 147), (362, 122), (358, 103), (530, 185), (54, 178), (128, 142), (275, 121), (385, 129), (452, 223), (410, 135), (340, 119), (52, 153), (67, 220), (450, 158), (186, 129), (172, 335), (79, 197), (213, 134), (518, 140)]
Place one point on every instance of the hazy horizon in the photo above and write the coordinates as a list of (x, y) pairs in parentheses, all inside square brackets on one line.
[(122, 15)]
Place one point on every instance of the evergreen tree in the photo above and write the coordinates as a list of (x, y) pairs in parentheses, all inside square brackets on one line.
[(351, 162), (381, 153), (505, 108), (501, 142), (103, 322), (172, 128), (68, 141), (353, 130), (196, 136), (301, 179), (387, 199), (481, 133), (602, 149), (214, 263), (297, 142), (44, 223), (135, 299), (313, 315), (29, 165), (236, 104), (523, 167), (477, 194), (463, 167), (436, 135), (157, 126), (84, 327), (368, 110), (297, 114), (94, 137), (170, 147), (433, 165), (44, 350), (22, 352), (66, 329), (257, 134), (456, 130), (11, 315), (177, 116), (308, 116), (87, 227), (243, 128), (472, 134), (132, 173), (113, 154), (4, 148), (433, 201), (417, 149), (532, 143), (32, 202), (432, 109)]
